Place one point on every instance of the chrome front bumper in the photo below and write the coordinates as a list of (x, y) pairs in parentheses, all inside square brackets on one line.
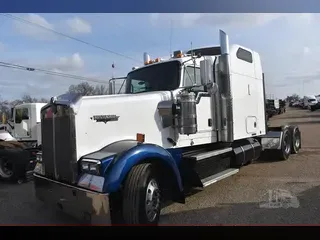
[(85, 205)]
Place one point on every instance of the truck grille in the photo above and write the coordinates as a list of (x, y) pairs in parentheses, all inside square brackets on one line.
[(47, 145), (59, 144)]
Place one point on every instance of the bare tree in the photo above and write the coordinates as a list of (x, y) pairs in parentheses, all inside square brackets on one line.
[(101, 90), (43, 100), (85, 89), (293, 97), (28, 99), (16, 102), (5, 106)]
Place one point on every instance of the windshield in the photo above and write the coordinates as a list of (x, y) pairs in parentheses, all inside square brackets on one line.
[(21, 114), (157, 77)]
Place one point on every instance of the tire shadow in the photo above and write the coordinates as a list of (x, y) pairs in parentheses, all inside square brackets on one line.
[(301, 209)]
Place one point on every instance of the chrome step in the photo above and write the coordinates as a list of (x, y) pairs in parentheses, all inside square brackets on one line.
[(204, 155), (219, 176)]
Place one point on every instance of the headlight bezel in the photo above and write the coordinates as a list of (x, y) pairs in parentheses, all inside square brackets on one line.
[(93, 166), (39, 167)]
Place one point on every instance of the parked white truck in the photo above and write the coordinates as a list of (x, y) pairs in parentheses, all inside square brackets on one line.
[(20, 141), (310, 102), (183, 123), (25, 125)]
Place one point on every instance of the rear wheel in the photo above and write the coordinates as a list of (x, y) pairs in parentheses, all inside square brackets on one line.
[(296, 140), (285, 150), (142, 196)]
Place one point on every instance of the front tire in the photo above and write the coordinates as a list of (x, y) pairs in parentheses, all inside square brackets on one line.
[(142, 196), (6, 169), (13, 164)]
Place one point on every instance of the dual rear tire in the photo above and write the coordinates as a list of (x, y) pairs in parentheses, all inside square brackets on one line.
[(290, 142)]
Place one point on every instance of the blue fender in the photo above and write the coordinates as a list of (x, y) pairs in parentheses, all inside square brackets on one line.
[(122, 164)]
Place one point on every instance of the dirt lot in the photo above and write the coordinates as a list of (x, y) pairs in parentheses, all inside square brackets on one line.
[(293, 186)]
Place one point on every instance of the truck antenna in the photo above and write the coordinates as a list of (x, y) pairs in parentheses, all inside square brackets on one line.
[(170, 40)]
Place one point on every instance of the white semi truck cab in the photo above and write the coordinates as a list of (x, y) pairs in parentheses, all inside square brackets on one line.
[(181, 123), (24, 124)]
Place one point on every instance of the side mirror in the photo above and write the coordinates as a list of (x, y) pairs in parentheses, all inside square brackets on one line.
[(112, 87), (206, 71)]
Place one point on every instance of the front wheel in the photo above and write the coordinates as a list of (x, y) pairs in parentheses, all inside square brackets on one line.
[(142, 196), (6, 169)]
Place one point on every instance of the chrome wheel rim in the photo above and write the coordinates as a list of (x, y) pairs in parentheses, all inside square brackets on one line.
[(287, 144), (297, 141), (152, 203)]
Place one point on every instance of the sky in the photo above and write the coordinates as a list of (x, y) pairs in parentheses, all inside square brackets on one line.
[(289, 45)]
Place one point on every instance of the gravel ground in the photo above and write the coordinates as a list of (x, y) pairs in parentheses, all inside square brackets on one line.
[(293, 186)]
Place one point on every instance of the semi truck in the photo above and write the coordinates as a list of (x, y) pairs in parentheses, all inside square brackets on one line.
[(182, 123), (282, 105), (20, 141), (272, 107)]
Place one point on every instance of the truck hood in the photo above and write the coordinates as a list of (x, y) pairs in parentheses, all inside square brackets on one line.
[(136, 113)]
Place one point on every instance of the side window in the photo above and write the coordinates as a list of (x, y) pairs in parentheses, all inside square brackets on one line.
[(139, 86), (244, 55), (191, 77), (21, 114)]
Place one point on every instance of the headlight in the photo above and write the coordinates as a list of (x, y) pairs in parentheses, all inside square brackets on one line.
[(39, 157), (90, 166), (39, 169)]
